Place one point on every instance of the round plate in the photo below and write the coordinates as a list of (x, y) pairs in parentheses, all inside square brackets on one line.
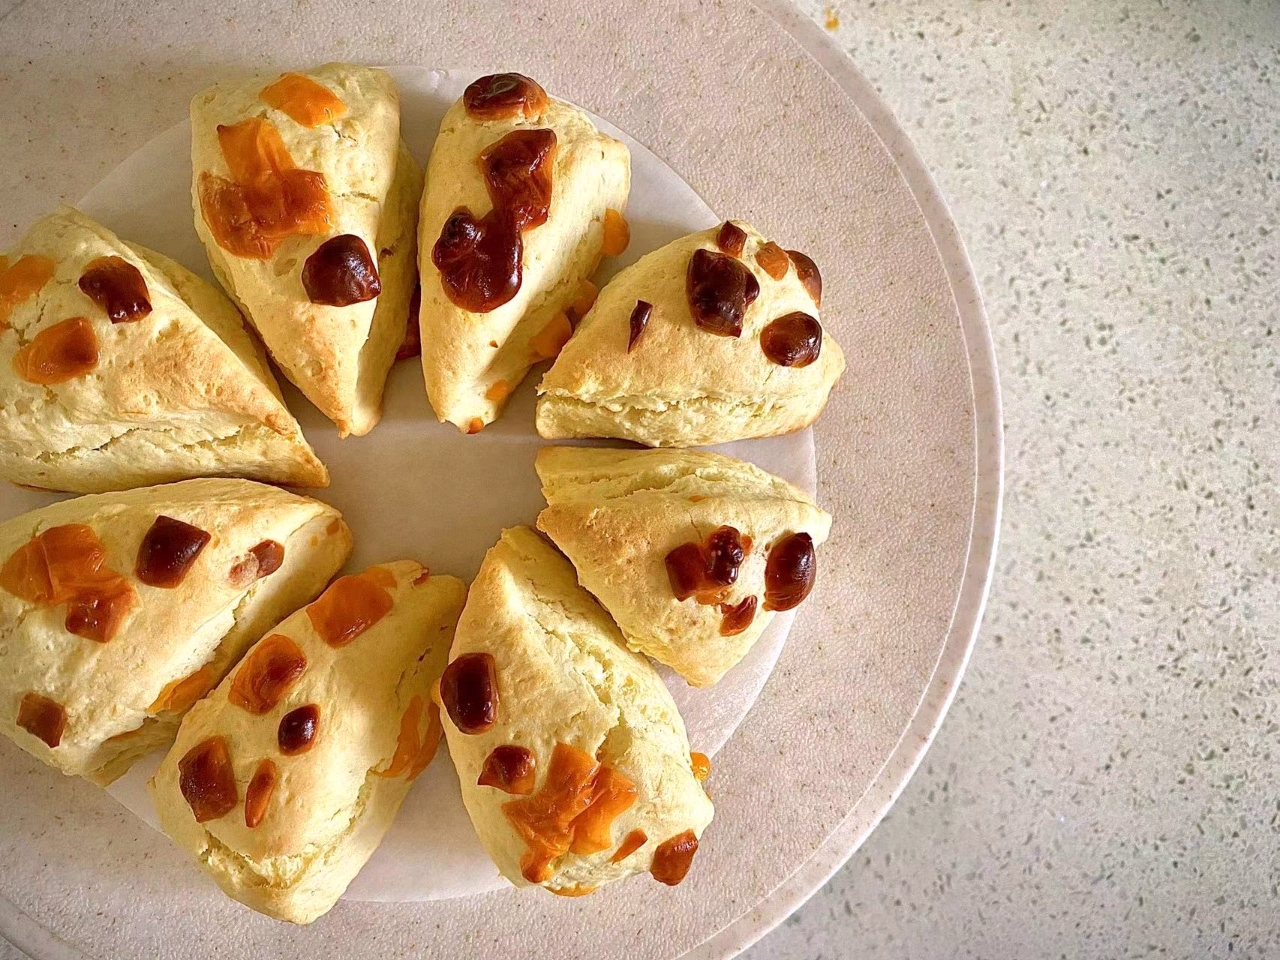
[(767, 121)]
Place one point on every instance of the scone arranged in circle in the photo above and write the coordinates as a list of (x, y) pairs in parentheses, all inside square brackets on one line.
[(120, 368), (118, 611), (712, 338), (524, 195), (306, 202), (690, 552), (574, 763), (283, 781)]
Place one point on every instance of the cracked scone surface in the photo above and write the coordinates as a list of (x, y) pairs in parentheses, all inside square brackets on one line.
[(465, 354), (564, 676), (339, 357), (112, 692), (331, 805), (681, 386), (617, 514), (182, 392)]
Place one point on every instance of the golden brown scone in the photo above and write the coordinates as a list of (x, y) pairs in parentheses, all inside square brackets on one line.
[(306, 280), (120, 368), (669, 380), (118, 611), (745, 539), (283, 781), (574, 763), (476, 352)]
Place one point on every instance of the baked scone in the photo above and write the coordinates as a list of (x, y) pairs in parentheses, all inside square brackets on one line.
[(690, 552), (712, 338), (283, 781), (119, 611), (573, 759), (306, 202), (524, 195), (120, 368)]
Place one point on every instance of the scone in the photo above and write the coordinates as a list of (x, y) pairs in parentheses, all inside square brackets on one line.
[(283, 781), (690, 552), (524, 195), (574, 763), (119, 611), (120, 368), (712, 338), (306, 202)]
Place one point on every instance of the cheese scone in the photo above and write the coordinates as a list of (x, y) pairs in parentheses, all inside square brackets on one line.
[(283, 781), (524, 195), (712, 338), (120, 368), (306, 202), (690, 552), (573, 759), (119, 611)]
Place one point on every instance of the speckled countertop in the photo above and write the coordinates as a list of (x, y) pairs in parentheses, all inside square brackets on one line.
[(1105, 783)]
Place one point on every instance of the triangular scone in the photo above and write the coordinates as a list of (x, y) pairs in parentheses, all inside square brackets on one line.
[(755, 362), (119, 368), (647, 527), (573, 760), (283, 781), (118, 611), (500, 264), (306, 202)]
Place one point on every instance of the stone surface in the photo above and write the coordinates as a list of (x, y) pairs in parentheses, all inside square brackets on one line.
[(1106, 782)]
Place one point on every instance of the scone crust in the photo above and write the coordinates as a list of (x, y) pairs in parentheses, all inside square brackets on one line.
[(564, 676), (109, 689), (330, 807), (617, 514), (338, 356), (465, 354), (182, 392), (681, 386)]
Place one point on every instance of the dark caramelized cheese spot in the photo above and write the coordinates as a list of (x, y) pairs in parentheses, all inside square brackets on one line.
[(267, 674), (640, 316), (790, 572), (731, 239), (509, 768), (503, 95), (43, 718), (207, 780), (258, 794), (807, 272), (262, 560), (349, 607), (67, 564), (168, 551), (773, 260), (719, 289), (793, 340), (574, 810), (304, 100), (22, 280), (672, 859), (59, 353), (341, 272), (736, 618), (267, 198), (517, 173), (706, 570), (116, 285), (469, 692), (298, 730), (633, 842)]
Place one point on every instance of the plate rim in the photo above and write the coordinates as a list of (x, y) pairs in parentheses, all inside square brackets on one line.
[(975, 584)]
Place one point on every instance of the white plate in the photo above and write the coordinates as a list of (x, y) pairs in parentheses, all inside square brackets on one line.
[(767, 121)]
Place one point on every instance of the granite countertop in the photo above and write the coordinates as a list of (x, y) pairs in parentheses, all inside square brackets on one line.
[(1104, 785)]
